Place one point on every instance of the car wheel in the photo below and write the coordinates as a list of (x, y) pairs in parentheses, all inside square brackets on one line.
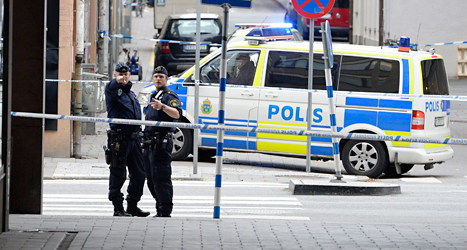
[(364, 158), (183, 144), (391, 172)]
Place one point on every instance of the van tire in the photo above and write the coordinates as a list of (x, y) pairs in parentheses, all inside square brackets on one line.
[(183, 144), (364, 158)]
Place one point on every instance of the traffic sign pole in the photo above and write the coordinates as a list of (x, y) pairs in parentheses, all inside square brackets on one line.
[(310, 96)]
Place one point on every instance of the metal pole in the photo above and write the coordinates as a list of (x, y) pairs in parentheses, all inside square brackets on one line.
[(310, 96), (332, 109), (220, 133), (198, 47), (77, 89), (103, 41)]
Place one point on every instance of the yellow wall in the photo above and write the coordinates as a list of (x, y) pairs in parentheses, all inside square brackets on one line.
[(58, 143)]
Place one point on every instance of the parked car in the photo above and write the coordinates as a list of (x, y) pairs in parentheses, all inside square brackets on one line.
[(177, 57)]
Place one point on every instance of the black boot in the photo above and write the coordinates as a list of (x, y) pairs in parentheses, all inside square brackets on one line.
[(162, 215), (134, 210), (119, 211)]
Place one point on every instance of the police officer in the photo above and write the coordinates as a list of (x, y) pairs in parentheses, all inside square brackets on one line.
[(164, 106), (124, 144)]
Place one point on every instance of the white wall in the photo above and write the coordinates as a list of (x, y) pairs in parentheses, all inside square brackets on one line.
[(439, 21)]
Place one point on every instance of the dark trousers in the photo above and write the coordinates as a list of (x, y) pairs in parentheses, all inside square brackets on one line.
[(157, 163), (131, 155)]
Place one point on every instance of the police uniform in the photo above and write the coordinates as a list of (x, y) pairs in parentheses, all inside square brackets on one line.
[(124, 142), (158, 155)]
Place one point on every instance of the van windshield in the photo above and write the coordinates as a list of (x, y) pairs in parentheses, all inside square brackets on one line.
[(435, 81)]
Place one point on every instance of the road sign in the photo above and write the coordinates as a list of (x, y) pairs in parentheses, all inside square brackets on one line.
[(233, 3), (313, 8)]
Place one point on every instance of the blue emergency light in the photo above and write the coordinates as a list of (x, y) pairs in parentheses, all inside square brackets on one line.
[(404, 44)]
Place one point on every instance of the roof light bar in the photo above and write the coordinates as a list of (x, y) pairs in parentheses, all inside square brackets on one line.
[(264, 25)]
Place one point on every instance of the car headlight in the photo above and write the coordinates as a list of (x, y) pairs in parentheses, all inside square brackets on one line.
[(143, 98)]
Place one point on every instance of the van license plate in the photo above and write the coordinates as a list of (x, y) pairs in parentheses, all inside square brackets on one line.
[(439, 121), (193, 47)]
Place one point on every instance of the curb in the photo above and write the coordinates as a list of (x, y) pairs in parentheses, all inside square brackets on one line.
[(307, 187), (174, 178)]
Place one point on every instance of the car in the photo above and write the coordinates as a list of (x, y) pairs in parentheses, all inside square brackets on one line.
[(176, 57), (369, 83), (281, 31)]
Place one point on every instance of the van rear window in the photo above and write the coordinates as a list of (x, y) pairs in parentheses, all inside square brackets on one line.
[(435, 81)]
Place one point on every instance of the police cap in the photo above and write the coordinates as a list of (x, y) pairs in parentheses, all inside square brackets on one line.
[(161, 70), (122, 67)]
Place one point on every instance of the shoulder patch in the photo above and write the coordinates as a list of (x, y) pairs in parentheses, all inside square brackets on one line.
[(174, 103)]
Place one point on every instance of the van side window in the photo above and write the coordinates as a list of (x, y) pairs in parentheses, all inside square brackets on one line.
[(290, 70), (365, 74)]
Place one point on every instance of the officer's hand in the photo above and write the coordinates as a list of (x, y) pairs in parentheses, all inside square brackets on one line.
[(156, 104)]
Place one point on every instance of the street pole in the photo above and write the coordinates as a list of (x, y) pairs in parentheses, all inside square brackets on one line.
[(77, 88), (197, 56), (103, 42), (221, 115), (310, 96)]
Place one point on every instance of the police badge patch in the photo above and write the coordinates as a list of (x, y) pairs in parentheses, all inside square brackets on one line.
[(174, 103), (206, 107), (120, 91)]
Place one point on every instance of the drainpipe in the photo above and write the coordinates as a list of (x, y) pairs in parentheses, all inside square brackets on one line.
[(77, 89), (381, 22)]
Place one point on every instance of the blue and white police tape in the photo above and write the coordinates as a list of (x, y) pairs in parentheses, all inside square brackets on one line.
[(165, 41), (337, 93), (92, 81), (346, 93), (448, 43), (355, 136)]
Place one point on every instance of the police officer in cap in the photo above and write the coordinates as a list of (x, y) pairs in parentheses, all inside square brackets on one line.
[(124, 147), (164, 106)]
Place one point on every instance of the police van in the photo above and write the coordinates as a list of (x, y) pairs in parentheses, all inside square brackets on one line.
[(276, 97)]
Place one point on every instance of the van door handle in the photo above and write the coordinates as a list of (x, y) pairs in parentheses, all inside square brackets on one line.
[(271, 95), (247, 93)]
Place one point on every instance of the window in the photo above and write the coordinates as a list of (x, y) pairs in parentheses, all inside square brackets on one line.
[(241, 68), (369, 75), (187, 28), (435, 81), (290, 70)]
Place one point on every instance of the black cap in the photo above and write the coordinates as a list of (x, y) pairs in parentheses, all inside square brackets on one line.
[(160, 69), (122, 67)]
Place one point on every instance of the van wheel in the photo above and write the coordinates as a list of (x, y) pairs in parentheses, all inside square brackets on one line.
[(364, 158), (391, 172), (183, 144)]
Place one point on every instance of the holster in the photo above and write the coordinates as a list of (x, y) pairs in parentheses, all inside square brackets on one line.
[(114, 138), (154, 140)]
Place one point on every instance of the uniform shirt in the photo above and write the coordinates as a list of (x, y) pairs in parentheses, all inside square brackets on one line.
[(121, 103), (169, 98)]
